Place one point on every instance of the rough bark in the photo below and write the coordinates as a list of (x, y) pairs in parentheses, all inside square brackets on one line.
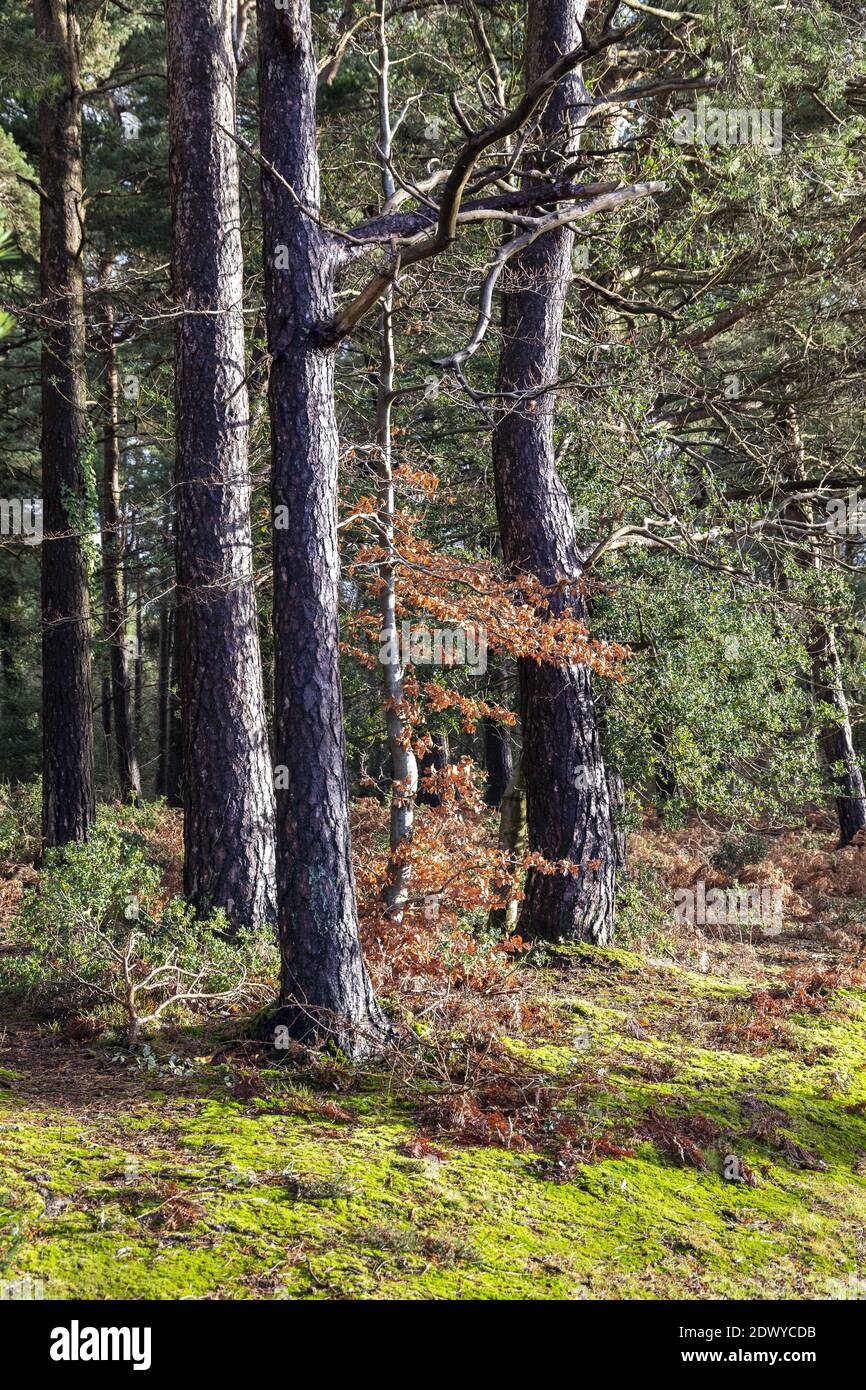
[(227, 777), (325, 990), (568, 809), (113, 586), (835, 740), (68, 802)]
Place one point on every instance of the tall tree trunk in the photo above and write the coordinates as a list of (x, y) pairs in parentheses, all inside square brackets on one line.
[(68, 802), (568, 810), (113, 588), (325, 989), (404, 765), (228, 784), (836, 741)]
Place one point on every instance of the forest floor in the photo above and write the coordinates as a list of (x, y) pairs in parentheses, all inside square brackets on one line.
[(685, 1118)]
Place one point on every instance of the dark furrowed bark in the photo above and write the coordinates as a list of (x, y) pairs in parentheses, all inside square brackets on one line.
[(68, 801), (227, 778), (568, 810), (325, 990), (113, 588)]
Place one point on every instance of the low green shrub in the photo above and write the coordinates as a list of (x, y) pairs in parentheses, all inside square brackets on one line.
[(96, 934)]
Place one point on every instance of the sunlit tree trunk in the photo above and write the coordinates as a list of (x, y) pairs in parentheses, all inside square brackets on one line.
[(568, 809), (68, 802), (325, 990), (227, 777)]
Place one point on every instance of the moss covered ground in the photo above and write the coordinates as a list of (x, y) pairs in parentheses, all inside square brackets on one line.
[(703, 1142)]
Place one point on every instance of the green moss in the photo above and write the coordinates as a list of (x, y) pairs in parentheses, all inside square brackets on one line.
[(285, 1201)]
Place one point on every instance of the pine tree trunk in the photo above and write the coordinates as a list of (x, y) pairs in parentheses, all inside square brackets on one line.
[(325, 990), (228, 785), (113, 587), (568, 810), (68, 801)]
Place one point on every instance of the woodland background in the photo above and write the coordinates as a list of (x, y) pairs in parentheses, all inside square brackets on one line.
[(319, 327)]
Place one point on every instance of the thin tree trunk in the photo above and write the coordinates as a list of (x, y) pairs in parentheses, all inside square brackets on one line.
[(163, 680), (227, 779), (496, 738), (664, 774), (68, 801), (616, 797), (113, 587), (13, 687), (174, 773), (836, 741), (404, 765), (325, 990), (568, 809), (513, 843), (105, 693), (138, 661)]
